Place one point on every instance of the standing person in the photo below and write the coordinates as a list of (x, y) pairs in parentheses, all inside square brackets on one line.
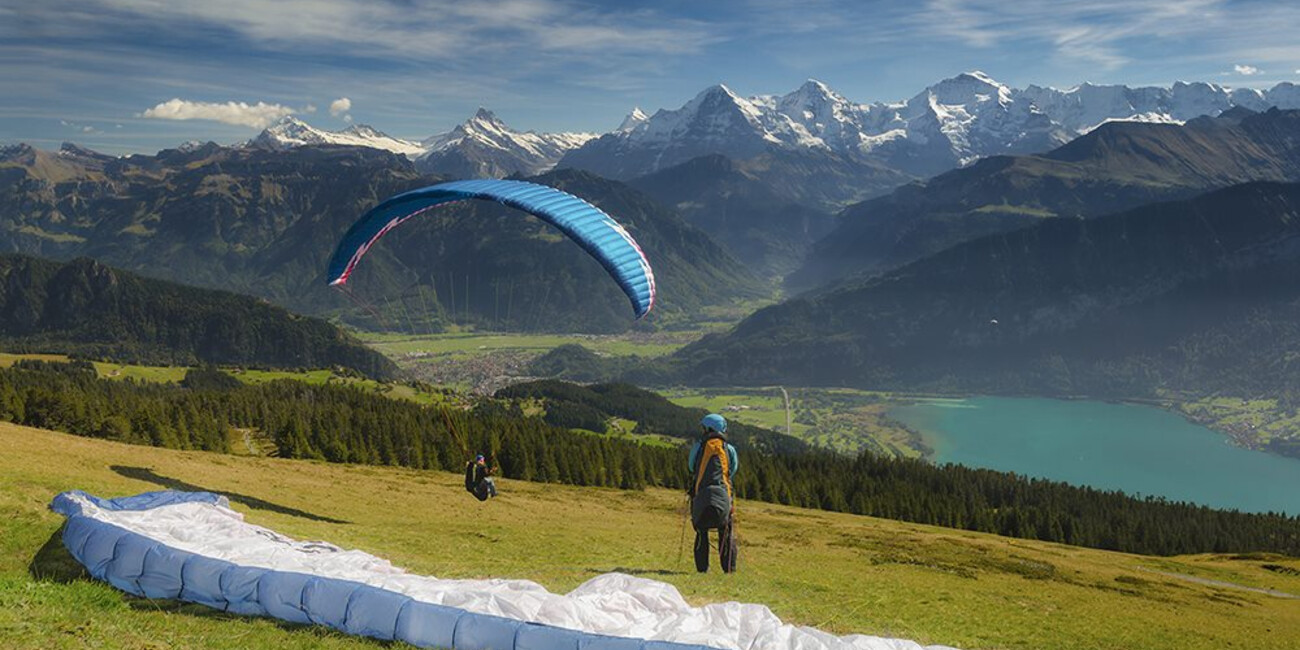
[(712, 464), (478, 479)]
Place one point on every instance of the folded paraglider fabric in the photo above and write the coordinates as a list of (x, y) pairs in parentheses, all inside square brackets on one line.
[(191, 546)]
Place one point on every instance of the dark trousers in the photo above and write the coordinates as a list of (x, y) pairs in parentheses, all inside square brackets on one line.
[(726, 549), (485, 489)]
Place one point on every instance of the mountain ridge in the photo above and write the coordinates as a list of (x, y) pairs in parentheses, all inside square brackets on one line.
[(1115, 167), (948, 124), (1193, 295)]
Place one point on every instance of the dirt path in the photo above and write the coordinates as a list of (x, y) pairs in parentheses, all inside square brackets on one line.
[(1219, 583)]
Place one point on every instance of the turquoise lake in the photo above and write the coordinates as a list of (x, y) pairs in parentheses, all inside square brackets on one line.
[(1137, 449)]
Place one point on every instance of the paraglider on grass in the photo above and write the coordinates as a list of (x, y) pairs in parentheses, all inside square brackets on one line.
[(588, 226)]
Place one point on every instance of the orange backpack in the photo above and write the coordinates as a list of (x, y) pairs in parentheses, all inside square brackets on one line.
[(714, 447)]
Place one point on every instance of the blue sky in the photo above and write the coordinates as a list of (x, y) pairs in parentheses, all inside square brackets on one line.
[(104, 73)]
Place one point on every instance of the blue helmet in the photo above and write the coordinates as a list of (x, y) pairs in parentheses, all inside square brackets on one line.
[(715, 422)]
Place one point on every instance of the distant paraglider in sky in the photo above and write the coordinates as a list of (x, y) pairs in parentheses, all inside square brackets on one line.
[(596, 232)]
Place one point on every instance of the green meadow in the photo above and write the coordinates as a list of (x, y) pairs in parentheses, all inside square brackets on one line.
[(843, 573)]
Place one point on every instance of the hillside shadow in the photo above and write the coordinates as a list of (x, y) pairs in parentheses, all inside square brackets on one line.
[(148, 475), (53, 563)]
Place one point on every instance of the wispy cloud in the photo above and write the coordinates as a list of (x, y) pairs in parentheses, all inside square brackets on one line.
[(81, 128), (1100, 32), (1246, 70), (407, 30), (1114, 33), (258, 116)]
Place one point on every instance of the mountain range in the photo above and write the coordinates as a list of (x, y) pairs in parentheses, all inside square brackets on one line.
[(725, 193), (481, 147), (948, 124), (766, 175), (1198, 295), (1116, 166), (264, 223)]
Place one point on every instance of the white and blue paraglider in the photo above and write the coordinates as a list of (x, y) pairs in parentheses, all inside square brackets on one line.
[(596, 232), (191, 546)]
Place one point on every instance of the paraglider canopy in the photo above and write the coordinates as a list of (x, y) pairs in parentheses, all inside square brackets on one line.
[(596, 232)]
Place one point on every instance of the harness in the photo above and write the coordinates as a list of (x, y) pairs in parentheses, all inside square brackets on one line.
[(714, 447)]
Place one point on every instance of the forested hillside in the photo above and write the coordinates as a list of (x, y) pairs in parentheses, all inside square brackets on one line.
[(1198, 296), (87, 308), (345, 424), (754, 209)]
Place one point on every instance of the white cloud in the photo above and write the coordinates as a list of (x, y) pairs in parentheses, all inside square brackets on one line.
[(1246, 70), (257, 116), (340, 106)]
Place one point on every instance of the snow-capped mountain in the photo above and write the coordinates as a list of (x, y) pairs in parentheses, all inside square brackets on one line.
[(949, 124), (484, 146), (634, 118), (716, 121), (292, 132), (1086, 106)]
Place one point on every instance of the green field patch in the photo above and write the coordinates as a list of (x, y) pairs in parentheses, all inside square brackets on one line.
[(423, 394), (845, 420), (1250, 422), (155, 374), (470, 344), (626, 430), (7, 359), (59, 237)]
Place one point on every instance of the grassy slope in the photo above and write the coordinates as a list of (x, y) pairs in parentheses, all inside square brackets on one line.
[(839, 572)]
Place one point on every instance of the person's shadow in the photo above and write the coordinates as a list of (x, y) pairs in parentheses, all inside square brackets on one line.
[(148, 475)]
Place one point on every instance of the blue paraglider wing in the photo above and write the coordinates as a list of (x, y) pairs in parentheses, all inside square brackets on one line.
[(597, 232)]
